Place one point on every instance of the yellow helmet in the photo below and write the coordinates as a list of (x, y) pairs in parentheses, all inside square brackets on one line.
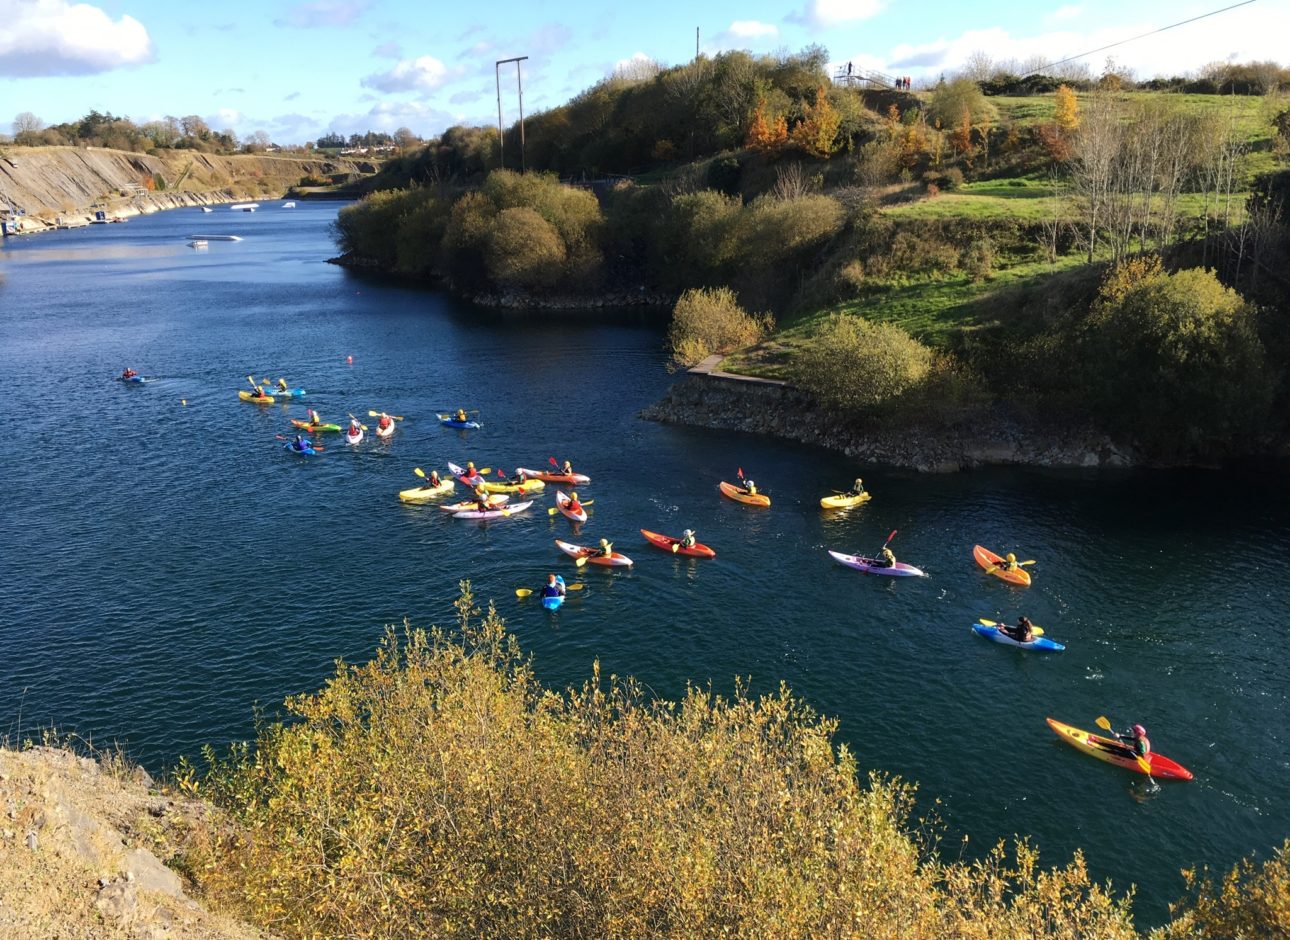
[(470, 465), (604, 543), (574, 497), (1011, 557)]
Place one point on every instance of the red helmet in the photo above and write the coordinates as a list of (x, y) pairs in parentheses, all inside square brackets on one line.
[(1139, 731)]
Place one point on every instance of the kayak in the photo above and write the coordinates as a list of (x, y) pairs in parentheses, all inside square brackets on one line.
[(573, 479), (870, 566), (553, 603), (498, 513), (353, 438), (528, 486), (468, 504), (1113, 752), (739, 496), (131, 380), (286, 392), (421, 494), (1038, 643), (258, 399), (460, 474), (988, 559), (306, 451), (562, 503), (616, 560), (384, 432), (665, 542), (448, 421), (315, 428), (843, 501)]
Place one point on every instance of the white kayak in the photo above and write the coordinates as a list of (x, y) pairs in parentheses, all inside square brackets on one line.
[(354, 438), (499, 513), (871, 566), (385, 431)]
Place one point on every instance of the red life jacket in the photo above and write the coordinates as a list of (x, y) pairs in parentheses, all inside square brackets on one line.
[(384, 422)]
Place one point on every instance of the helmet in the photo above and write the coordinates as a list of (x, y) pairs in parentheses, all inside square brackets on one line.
[(1011, 557), (574, 497), (688, 532), (1139, 731), (604, 543), (470, 465)]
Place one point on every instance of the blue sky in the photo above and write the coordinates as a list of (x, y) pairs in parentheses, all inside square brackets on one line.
[(299, 68)]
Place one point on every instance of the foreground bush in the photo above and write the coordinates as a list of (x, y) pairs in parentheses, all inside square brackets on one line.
[(707, 321), (440, 791), (857, 367)]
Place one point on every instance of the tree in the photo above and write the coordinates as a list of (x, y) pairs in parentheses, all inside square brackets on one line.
[(857, 367), (405, 139), (524, 249), (707, 321), (1065, 108), (817, 132), (25, 127), (950, 100), (194, 127)]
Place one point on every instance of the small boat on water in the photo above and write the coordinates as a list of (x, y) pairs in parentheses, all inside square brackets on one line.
[(244, 206), (288, 205), (207, 209), (216, 238), (199, 243)]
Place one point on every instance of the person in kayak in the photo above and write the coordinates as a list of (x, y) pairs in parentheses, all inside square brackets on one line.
[(461, 415), (1010, 564), (857, 488), (471, 473), (750, 488), (1023, 632), (574, 506), (433, 479), (606, 549), (483, 498), (282, 384), (687, 539), (385, 421), (567, 468), (1136, 738), (314, 417), (354, 427), (554, 587), (885, 558), (300, 444), (128, 373)]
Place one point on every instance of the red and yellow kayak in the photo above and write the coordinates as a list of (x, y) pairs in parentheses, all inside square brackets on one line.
[(254, 398), (665, 542), (988, 559), (1113, 752), (739, 495)]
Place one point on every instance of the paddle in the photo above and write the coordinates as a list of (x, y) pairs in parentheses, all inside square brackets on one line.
[(377, 414), (554, 509), (356, 421), (1105, 724), (1037, 631), (525, 592)]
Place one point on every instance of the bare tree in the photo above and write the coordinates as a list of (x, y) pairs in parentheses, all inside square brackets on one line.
[(1097, 146), (405, 139), (25, 127), (790, 182), (978, 66)]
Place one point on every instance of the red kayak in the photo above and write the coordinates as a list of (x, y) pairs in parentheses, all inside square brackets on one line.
[(666, 542), (546, 476), (1115, 752)]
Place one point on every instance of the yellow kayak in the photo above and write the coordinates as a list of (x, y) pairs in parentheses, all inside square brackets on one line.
[(422, 494), (258, 399), (843, 501), (528, 486), (740, 495)]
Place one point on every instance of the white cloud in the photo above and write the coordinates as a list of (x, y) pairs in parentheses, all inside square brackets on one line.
[(821, 14), (752, 29), (1069, 12), (55, 37), (308, 14), (424, 73)]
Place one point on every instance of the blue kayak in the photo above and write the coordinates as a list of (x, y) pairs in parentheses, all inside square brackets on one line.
[(553, 603), (135, 379), (448, 421), (1041, 643), (306, 451)]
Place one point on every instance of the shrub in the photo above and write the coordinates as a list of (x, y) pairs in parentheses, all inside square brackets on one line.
[(773, 231), (1176, 359), (707, 321), (524, 250), (950, 101), (369, 228), (698, 234), (858, 367), (724, 174), (1250, 902)]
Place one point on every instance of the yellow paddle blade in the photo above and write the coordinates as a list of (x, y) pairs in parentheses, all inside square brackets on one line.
[(1104, 723), (373, 414), (1143, 763), (419, 472), (251, 380), (1031, 562), (574, 587), (676, 547), (523, 592), (551, 511), (580, 561)]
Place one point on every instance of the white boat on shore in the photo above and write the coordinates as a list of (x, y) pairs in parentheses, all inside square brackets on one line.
[(215, 238), (245, 206)]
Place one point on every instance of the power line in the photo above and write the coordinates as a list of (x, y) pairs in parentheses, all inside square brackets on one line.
[(1145, 35)]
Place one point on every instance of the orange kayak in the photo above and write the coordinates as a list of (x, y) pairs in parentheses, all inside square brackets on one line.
[(740, 495), (988, 559), (1113, 752)]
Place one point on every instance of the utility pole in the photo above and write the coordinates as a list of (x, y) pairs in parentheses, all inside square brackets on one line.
[(696, 43), (519, 83)]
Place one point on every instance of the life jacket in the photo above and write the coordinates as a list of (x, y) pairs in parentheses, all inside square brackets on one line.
[(384, 422), (574, 506)]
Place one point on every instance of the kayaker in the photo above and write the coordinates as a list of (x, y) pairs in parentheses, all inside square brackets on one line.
[(260, 392), (128, 373), (750, 488), (482, 497), (687, 539), (471, 473), (433, 479), (1023, 632), (300, 444), (282, 384), (606, 548), (857, 488), (1011, 563), (886, 558), (574, 506), (461, 415), (1136, 738), (385, 421), (567, 469), (354, 427), (554, 587), (314, 417)]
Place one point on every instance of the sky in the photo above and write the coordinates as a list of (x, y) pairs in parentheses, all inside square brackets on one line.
[(301, 68)]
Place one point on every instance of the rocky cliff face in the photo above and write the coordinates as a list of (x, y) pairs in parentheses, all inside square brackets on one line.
[(82, 851), (70, 182)]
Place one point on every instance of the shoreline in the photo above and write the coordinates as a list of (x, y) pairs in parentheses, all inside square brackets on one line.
[(707, 398)]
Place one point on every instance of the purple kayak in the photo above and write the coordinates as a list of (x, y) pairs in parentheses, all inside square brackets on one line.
[(869, 566)]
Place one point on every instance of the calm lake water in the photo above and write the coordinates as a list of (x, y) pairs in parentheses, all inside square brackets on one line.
[(168, 566)]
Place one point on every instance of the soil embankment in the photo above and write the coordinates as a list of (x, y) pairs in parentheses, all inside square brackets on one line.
[(83, 849), (43, 185)]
